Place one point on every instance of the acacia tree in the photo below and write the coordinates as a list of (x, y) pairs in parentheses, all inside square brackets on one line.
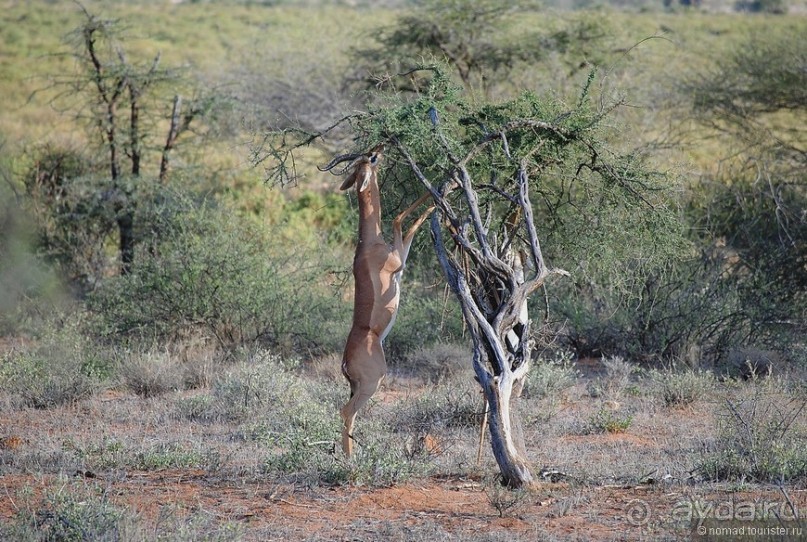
[(479, 41), (507, 180)]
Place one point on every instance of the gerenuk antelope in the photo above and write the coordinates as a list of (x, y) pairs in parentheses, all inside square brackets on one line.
[(377, 271)]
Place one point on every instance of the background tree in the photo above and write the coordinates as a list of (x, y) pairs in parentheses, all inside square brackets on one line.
[(481, 42), (755, 100), (120, 100), (509, 179)]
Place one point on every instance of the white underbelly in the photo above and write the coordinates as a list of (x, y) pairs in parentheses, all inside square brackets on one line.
[(396, 283)]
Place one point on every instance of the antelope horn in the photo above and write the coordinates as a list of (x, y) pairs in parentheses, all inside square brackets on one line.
[(352, 157)]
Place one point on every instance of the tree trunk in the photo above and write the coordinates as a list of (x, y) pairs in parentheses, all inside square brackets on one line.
[(127, 240), (499, 370), (506, 433)]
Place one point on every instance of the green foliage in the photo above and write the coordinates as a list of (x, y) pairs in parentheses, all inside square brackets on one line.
[(209, 271), (271, 401), (453, 404), (68, 516), (417, 308), (106, 454), (27, 284), (147, 374), (617, 380), (551, 377), (608, 421), (505, 500), (752, 209), (764, 253), (374, 464), (591, 204), (73, 212), (296, 420), (762, 6), (72, 511), (435, 363), (482, 42), (326, 213), (169, 456), (762, 75)]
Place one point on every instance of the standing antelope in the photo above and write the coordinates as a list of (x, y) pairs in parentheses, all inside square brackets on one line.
[(377, 270)]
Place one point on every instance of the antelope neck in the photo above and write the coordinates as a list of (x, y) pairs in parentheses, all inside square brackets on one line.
[(369, 213)]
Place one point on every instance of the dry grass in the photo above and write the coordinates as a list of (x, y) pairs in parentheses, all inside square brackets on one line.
[(269, 427)]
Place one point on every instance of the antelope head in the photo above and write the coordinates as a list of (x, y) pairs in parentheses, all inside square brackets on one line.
[(363, 165)]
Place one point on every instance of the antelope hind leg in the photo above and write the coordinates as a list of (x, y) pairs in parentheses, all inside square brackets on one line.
[(359, 396)]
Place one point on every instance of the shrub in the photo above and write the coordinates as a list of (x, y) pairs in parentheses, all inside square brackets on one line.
[(424, 319), (149, 374), (73, 511), (26, 281), (506, 500), (762, 6), (68, 514), (618, 377), (681, 388), (166, 455), (211, 272), (61, 368), (760, 437), (454, 404), (262, 387), (75, 218), (551, 377), (608, 421), (436, 362)]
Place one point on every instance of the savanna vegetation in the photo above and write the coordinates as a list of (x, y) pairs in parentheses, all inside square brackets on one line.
[(175, 284)]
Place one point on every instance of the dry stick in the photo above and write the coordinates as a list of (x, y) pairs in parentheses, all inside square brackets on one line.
[(482, 429), (793, 509)]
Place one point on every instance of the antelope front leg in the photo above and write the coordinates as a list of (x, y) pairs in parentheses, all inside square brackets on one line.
[(404, 243)]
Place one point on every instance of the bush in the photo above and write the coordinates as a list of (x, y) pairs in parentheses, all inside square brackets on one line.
[(681, 388), (760, 438), (75, 511), (458, 403), (608, 421), (149, 374), (424, 319), (207, 271), (551, 377), (26, 282), (74, 215), (67, 516), (264, 391), (61, 368), (762, 6), (436, 362), (618, 377)]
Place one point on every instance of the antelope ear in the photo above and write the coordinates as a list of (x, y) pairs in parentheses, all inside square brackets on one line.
[(348, 182), (368, 173)]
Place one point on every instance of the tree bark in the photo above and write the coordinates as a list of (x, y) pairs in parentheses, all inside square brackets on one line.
[(506, 431)]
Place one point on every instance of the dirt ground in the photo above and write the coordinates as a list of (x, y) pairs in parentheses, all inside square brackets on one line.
[(459, 507), (589, 504)]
